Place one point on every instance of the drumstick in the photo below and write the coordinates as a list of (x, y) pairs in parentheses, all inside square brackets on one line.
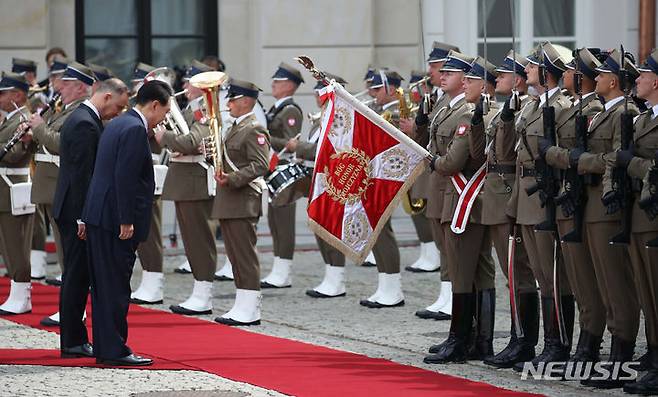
[(284, 148)]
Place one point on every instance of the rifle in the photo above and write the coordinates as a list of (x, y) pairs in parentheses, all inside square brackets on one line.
[(547, 181), (573, 198), (621, 181)]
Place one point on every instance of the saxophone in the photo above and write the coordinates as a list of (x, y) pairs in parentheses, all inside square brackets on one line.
[(410, 206)]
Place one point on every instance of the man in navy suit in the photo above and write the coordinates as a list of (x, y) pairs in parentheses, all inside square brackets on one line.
[(117, 215), (78, 144)]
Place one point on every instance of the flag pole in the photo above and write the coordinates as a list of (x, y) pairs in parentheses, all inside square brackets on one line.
[(365, 110)]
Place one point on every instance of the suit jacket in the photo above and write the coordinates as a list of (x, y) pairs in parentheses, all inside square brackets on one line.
[(121, 188), (247, 145), (186, 181), (78, 145), (18, 157), (47, 136)]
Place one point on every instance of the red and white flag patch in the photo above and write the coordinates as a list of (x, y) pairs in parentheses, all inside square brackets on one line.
[(461, 130), (261, 139), (292, 122)]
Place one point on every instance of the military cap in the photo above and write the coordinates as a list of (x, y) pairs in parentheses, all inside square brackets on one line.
[(141, 70), (19, 65), (587, 62), (510, 63), (80, 72), (457, 62), (440, 52), (196, 67), (417, 75), (59, 65), (287, 72), (478, 68), (11, 81), (238, 89), (320, 85), (369, 74), (101, 73), (612, 62), (554, 56), (386, 77), (651, 64)]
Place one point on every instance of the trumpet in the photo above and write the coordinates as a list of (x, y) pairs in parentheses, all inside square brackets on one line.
[(210, 83)]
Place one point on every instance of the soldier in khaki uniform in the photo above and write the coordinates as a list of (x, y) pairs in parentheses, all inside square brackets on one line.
[(644, 229), (612, 264), (498, 139), (187, 184), (284, 121), (428, 260), (15, 230), (421, 129), (577, 256), (150, 251), (386, 251), (333, 283), (528, 210), (472, 280), (238, 201), (74, 89)]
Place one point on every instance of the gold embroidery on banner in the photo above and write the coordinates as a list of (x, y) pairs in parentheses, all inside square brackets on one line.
[(355, 229), (396, 164), (342, 121), (350, 178)]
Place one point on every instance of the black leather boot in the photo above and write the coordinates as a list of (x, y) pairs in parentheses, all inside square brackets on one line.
[(520, 349), (621, 351), (454, 349), (587, 351), (648, 384), (554, 350), (482, 346)]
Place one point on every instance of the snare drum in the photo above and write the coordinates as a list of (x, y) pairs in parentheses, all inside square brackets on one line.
[(287, 182)]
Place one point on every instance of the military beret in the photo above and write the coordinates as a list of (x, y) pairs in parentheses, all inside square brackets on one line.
[(101, 72), (11, 81), (513, 61), (478, 68), (196, 67), (287, 72), (555, 57), (141, 70), (238, 89), (80, 72), (587, 62), (440, 52), (19, 65), (386, 77), (59, 65), (612, 62), (651, 64), (457, 62)]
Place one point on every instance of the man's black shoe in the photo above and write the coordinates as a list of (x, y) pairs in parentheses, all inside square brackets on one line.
[(235, 323), (53, 281), (130, 360), (428, 314), (84, 350)]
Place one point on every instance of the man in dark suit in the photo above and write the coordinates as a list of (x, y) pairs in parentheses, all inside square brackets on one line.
[(117, 215), (78, 144)]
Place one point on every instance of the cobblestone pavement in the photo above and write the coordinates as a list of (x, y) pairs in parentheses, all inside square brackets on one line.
[(339, 323)]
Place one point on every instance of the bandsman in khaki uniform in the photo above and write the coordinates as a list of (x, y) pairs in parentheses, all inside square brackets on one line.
[(386, 251), (428, 260), (238, 201), (38, 253), (421, 129), (75, 87), (284, 121), (643, 259), (15, 230), (528, 210), (150, 251), (577, 256), (499, 140), (333, 283), (612, 263), (189, 185)]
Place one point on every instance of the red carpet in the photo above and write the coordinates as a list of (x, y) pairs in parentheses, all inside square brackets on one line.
[(291, 367)]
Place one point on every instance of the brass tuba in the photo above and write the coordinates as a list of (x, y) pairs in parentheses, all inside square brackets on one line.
[(174, 119), (210, 83), (410, 206)]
